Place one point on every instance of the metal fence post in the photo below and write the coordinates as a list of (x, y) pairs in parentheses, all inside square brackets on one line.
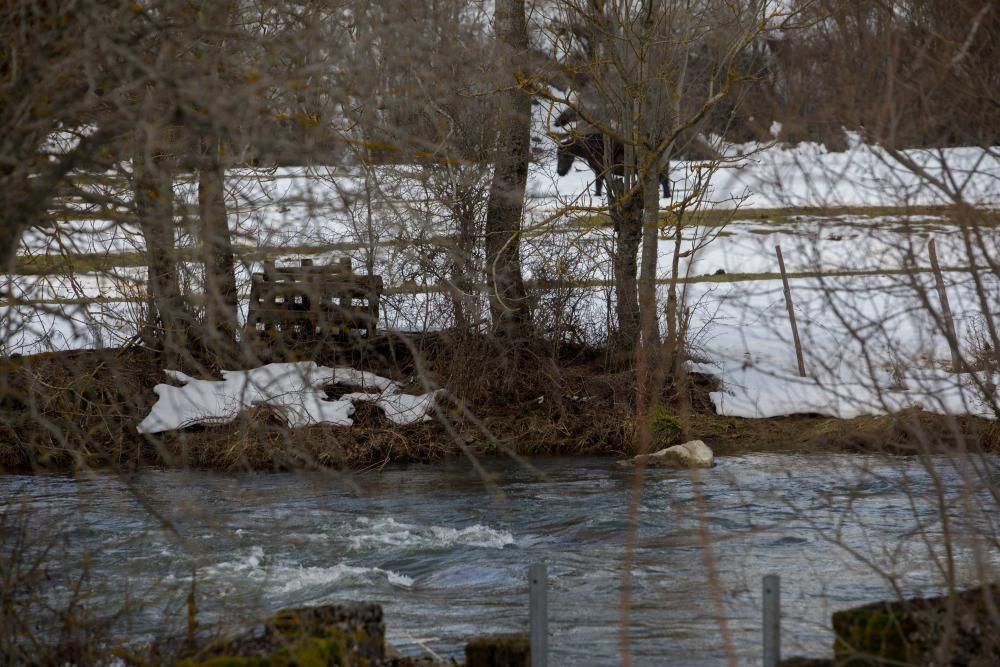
[(538, 605), (772, 620)]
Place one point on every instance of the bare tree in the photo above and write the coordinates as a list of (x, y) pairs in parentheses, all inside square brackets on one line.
[(55, 76), (508, 303), (650, 81)]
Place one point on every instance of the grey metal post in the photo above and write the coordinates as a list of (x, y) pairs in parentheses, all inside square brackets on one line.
[(772, 620), (539, 613)]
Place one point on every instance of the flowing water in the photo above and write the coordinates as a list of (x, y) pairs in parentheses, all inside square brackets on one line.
[(446, 552)]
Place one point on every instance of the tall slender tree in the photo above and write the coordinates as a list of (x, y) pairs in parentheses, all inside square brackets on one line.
[(152, 185), (217, 60), (58, 74), (508, 300), (646, 78)]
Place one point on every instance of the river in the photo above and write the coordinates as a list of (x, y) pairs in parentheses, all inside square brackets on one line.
[(446, 552)]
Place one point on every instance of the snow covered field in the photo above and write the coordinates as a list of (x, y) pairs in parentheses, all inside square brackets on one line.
[(864, 298)]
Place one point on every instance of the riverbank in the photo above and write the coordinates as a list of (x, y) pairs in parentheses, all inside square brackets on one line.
[(79, 409)]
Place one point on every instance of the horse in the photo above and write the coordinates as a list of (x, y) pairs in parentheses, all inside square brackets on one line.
[(590, 148)]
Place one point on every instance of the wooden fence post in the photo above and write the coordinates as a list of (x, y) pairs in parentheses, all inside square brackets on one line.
[(791, 312), (946, 316)]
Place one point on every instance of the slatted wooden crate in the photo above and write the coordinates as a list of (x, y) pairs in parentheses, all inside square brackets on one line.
[(308, 301)]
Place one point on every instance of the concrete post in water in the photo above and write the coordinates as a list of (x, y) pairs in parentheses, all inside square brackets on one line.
[(772, 620), (539, 612)]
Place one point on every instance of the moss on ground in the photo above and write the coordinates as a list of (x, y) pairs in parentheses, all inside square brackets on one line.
[(957, 630), (307, 652), (342, 635), (667, 428)]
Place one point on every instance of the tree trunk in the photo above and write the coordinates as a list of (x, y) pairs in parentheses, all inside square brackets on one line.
[(154, 205), (13, 221), (508, 302), (625, 209), (461, 268), (627, 218), (648, 308), (673, 329), (217, 255)]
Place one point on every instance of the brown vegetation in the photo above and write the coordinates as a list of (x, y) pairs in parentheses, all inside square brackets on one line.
[(73, 410)]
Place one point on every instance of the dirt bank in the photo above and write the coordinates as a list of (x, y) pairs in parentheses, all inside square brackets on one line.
[(79, 409)]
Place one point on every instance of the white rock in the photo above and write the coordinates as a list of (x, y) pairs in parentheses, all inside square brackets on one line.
[(693, 454)]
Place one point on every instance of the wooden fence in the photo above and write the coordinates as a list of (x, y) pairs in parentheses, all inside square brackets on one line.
[(307, 301)]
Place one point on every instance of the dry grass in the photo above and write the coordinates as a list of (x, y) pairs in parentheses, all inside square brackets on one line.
[(74, 409), (80, 409), (909, 432)]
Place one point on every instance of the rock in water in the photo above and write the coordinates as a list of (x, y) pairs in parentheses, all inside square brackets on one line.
[(499, 651), (692, 454)]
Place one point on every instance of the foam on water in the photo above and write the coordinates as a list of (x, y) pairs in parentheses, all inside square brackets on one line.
[(284, 577), (301, 578), (367, 533), (398, 579)]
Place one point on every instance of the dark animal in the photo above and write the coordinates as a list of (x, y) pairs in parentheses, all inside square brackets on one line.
[(590, 148), (566, 117)]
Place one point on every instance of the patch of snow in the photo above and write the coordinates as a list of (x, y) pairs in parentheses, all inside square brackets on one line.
[(399, 408), (66, 141), (294, 389), (363, 379), (760, 393), (896, 357)]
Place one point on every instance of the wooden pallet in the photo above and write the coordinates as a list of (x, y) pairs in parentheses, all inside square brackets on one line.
[(306, 301)]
